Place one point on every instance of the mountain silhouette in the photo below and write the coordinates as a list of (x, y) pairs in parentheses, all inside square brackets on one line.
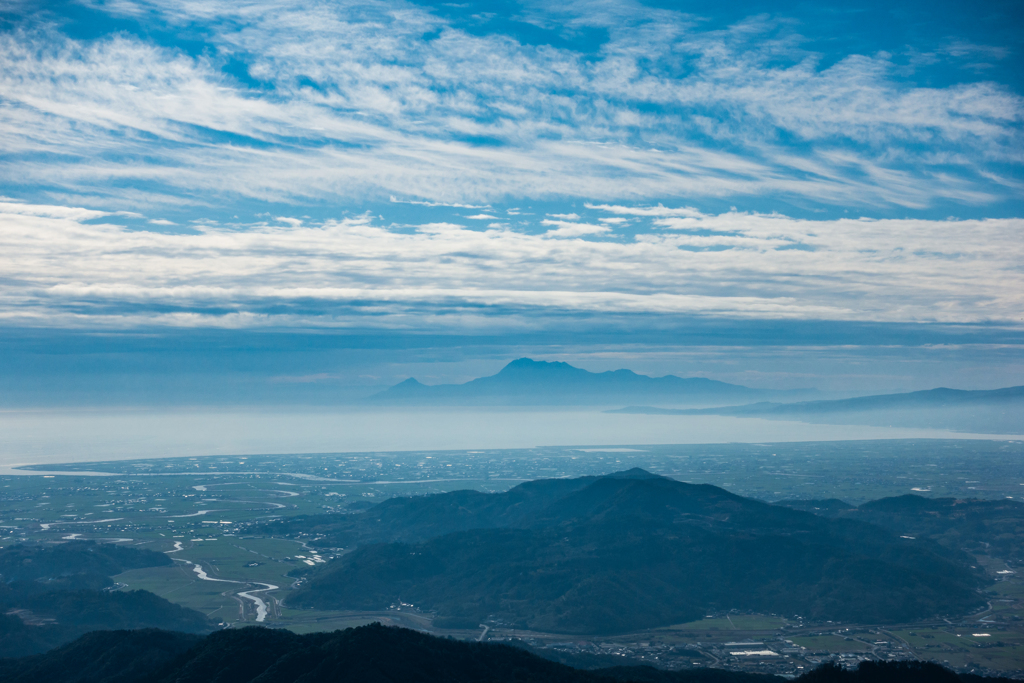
[(531, 382)]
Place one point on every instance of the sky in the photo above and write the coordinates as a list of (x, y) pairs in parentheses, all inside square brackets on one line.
[(292, 202)]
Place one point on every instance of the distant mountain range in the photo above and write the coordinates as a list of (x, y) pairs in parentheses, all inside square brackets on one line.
[(624, 552), (530, 382), (986, 411)]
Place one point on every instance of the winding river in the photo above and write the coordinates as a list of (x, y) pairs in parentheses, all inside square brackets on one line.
[(261, 605)]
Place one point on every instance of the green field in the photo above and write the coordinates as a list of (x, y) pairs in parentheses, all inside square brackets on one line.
[(833, 644), (1000, 650), (733, 622)]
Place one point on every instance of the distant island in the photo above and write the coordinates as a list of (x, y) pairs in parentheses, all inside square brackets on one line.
[(531, 382)]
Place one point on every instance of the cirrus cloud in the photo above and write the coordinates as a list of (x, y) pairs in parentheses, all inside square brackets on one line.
[(371, 99)]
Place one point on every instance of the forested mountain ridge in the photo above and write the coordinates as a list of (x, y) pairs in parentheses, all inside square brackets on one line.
[(371, 654), (368, 654)]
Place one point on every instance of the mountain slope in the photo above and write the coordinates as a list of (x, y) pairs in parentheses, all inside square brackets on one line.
[(629, 551), (529, 382)]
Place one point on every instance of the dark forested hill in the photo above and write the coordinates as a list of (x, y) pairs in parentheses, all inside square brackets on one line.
[(50, 594), (368, 654), (629, 551)]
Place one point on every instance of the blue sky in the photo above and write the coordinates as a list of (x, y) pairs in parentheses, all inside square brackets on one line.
[(291, 200)]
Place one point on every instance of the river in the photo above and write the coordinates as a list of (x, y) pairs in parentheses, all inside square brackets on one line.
[(261, 606)]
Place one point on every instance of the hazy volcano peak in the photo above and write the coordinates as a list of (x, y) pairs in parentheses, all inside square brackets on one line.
[(525, 364), (526, 381)]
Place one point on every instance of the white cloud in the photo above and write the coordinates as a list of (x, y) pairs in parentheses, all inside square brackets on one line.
[(654, 211), (395, 200), (981, 56), (359, 104), (572, 229), (64, 266)]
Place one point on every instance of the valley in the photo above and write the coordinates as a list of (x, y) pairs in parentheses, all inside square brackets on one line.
[(258, 520)]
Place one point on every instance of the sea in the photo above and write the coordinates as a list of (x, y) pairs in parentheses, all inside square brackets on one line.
[(84, 435)]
